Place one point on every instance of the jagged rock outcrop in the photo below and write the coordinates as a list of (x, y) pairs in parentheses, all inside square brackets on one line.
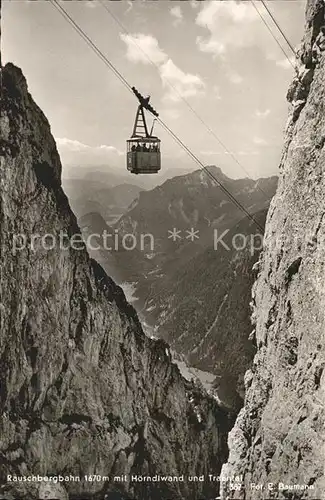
[(83, 390), (279, 434)]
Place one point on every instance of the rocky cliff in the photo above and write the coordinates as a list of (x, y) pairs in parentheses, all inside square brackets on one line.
[(83, 390), (279, 434)]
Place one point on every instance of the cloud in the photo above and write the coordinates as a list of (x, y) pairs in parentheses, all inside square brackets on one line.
[(211, 45), (90, 3), (286, 63), (211, 153), (216, 92), (178, 83), (76, 152), (247, 153), (262, 114), (176, 12), (235, 78), (130, 6), (143, 48), (225, 153), (195, 3), (73, 145), (259, 141), (231, 24), (172, 114)]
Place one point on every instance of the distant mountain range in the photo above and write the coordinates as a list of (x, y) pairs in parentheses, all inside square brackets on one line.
[(110, 201), (187, 202), (109, 191), (108, 176), (195, 297)]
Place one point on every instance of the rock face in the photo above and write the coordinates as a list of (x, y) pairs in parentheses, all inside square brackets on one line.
[(83, 390), (279, 434)]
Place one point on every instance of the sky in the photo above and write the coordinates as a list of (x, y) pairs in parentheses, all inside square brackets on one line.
[(212, 68)]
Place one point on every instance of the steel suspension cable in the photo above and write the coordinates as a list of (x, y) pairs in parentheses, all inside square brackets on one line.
[(274, 37), (100, 54), (279, 28), (209, 129)]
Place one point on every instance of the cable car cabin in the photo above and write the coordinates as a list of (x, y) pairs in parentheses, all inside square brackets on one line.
[(143, 148), (143, 155)]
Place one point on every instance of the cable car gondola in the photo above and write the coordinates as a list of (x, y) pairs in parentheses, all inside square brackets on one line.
[(143, 149)]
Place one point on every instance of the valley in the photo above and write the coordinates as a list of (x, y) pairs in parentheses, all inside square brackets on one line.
[(169, 283)]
